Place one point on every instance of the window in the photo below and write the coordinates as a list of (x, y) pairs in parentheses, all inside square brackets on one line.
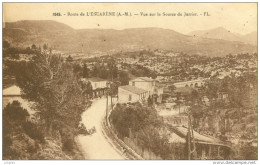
[(130, 98), (133, 83)]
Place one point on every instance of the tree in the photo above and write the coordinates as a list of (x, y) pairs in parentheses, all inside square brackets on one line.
[(69, 59), (150, 101), (113, 90), (15, 112), (85, 71), (123, 78), (172, 88), (55, 89), (6, 44), (144, 124), (194, 96), (33, 47), (45, 47), (95, 70), (87, 89), (19, 133), (77, 69), (114, 72), (179, 101), (103, 72)]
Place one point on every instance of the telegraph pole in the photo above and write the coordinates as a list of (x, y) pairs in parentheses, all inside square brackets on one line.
[(191, 140), (106, 107)]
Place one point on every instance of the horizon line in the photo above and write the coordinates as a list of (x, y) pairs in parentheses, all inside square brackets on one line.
[(4, 22)]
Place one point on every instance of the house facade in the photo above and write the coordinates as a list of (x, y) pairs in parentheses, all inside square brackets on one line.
[(148, 84), (143, 83), (130, 93), (140, 88), (99, 85)]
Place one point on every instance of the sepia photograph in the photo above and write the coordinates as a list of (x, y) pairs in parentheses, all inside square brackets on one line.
[(130, 81)]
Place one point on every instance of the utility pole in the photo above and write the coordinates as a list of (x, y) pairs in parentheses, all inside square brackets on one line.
[(191, 141), (111, 92), (106, 107), (111, 104)]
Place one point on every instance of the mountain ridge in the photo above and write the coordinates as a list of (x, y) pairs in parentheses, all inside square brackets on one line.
[(222, 33), (64, 38)]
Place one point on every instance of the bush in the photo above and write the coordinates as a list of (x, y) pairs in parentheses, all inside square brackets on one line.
[(15, 112), (68, 145), (19, 135), (33, 131), (135, 120)]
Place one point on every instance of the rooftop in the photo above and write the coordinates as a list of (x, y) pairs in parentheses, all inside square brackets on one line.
[(12, 91), (143, 79), (133, 89), (184, 90), (95, 79)]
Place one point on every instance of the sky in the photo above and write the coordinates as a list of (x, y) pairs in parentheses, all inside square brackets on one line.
[(235, 17)]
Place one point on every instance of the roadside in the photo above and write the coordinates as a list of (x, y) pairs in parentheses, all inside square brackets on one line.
[(96, 146)]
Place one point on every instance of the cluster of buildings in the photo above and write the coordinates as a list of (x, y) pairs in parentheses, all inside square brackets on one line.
[(138, 89)]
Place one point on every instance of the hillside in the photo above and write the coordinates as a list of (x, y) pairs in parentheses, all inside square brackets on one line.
[(224, 34), (62, 37), (251, 38)]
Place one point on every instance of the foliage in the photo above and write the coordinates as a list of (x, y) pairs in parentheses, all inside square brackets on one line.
[(150, 101), (249, 152), (14, 51), (58, 95), (34, 131), (140, 71), (55, 89), (69, 59), (135, 120), (6, 44), (133, 117), (123, 78), (237, 115), (85, 71), (15, 112), (19, 135)]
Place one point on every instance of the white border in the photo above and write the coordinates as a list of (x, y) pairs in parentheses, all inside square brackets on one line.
[(154, 162)]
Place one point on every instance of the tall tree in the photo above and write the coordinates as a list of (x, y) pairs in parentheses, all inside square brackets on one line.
[(53, 86), (33, 47), (123, 78), (6, 44), (85, 71)]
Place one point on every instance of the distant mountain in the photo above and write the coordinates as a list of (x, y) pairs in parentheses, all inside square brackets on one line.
[(251, 38), (224, 34), (37, 26), (64, 38)]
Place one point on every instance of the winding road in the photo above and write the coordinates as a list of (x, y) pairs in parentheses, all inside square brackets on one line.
[(96, 146)]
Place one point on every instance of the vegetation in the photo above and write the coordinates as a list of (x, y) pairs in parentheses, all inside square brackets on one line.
[(21, 138), (236, 115), (13, 52), (58, 95), (143, 123)]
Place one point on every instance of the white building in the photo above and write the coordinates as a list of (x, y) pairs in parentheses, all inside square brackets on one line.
[(99, 85), (130, 93), (140, 88), (145, 83)]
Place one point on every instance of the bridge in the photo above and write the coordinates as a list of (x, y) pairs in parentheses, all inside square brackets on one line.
[(192, 83)]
